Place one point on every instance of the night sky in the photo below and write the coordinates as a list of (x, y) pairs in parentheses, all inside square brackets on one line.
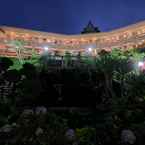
[(70, 16)]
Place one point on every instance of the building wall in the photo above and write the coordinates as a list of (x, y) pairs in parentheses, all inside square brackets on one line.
[(129, 37)]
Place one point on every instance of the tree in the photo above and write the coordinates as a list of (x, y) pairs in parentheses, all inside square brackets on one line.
[(18, 46), (34, 58), (5, 63), (67, 59)]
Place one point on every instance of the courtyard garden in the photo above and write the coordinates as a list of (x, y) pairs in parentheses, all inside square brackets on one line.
[(91, 101)]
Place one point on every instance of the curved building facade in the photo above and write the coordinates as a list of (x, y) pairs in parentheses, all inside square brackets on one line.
[(126, 38)]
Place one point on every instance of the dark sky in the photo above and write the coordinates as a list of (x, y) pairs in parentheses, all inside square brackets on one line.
[(70, 16)]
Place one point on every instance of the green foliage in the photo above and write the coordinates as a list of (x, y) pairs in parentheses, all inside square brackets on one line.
[(36, 128), (114, 61), (86, 136), (113, 88), (34, 59), (16, 64), (89, 61), (134, 84), (67, 58), (18, 46), (5, 63)]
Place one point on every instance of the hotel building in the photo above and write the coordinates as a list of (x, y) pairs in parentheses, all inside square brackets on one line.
[(126, 38)]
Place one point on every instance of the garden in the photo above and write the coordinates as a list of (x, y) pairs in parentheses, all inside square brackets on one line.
[(99, 101)]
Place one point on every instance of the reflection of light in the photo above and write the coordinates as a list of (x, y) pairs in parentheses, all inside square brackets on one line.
[(140, 64), (46, 48), (90, 49)]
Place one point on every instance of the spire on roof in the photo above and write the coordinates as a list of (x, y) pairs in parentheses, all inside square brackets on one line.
[(1, 30), (90, 28)]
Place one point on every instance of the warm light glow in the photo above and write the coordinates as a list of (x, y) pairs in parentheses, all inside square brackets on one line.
[(46, 48), (88, 44), (90, 49), (140, 64)]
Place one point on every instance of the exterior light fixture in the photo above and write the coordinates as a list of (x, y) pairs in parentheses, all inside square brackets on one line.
[(90, 49), (140, 64), (46, 48)]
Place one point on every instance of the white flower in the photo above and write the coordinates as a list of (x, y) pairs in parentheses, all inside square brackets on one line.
[(127, 136), (6, 128), (39, 131), (41, 110), (70, 134)]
